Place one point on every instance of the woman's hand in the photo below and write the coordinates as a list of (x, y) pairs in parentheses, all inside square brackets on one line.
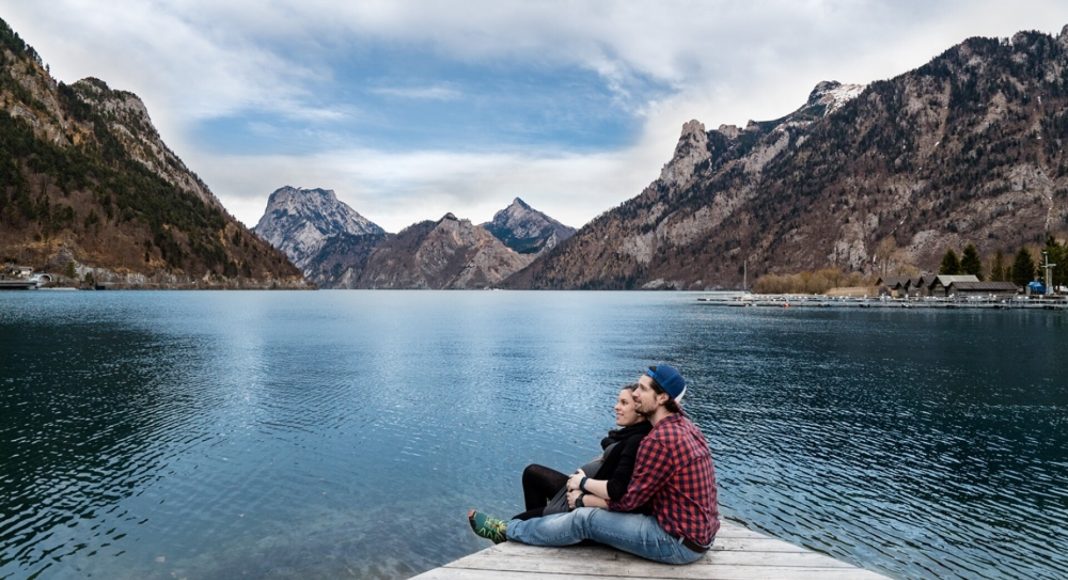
[(574, 481), (572, 496)]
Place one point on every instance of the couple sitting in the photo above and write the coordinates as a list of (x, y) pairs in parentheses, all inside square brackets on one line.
[(652, 494)]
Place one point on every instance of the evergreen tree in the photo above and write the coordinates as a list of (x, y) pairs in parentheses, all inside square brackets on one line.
[(970, 263), (1058, 255), (1023, 269), (950, 264), (997, 269)]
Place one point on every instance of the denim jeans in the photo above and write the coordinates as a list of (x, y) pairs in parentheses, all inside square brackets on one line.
[(638, 534)]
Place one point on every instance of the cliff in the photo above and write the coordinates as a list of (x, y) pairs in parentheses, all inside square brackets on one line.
[(88, 187), (967, 148)]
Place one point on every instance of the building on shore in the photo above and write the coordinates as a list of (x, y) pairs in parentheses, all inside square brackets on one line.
[(939, 286), (944, 286), (976, 290)]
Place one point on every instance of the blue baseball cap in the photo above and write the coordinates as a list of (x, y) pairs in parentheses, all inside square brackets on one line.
[(669, 379)]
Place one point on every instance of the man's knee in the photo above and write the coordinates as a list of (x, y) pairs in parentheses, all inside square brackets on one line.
[(581, 517)]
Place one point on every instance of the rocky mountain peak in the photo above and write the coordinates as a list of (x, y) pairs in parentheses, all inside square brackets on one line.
[(832, 95), (128, 120), (691, 150), (296, 198), (729, 131), (299, 222), (449, 253), (527, 230)]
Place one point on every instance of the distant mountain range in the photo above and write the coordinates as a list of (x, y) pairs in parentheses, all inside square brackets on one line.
[(968, 148), (338, 248), (88, 189)]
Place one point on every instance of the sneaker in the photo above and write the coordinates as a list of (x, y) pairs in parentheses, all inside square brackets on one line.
[(490, 528)]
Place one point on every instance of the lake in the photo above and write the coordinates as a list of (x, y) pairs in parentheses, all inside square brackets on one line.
[(345, 433)]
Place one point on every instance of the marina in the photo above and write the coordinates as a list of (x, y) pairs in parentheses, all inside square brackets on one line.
[(810, 301), (738, 554), (17, 284)]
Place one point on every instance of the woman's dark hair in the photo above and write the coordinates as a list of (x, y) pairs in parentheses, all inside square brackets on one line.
[(670, 405)]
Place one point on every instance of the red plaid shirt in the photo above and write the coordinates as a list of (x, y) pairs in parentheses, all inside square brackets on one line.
[(674, 470)]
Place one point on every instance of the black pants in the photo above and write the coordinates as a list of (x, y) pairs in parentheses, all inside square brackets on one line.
[(540, 484)]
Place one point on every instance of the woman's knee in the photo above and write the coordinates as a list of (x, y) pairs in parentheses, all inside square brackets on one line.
[(530, 472)]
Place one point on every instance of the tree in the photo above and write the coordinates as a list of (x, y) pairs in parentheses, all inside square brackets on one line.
[(950, 264), (970, 263), (1058, 255), (997, 269), (1023, 268)]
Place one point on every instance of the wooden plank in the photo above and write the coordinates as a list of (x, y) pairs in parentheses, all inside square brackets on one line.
[(738, 554), (755, 545), (621, 566), (732, 530), (721, 545), (680, 573), (767, 557)]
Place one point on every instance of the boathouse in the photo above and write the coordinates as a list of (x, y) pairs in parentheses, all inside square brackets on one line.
[(939, 285), (991, 290), (893, 287)]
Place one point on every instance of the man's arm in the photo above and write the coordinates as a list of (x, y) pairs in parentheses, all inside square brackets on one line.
[(616, 485), (651, 470), (588, 500), (581, 482)]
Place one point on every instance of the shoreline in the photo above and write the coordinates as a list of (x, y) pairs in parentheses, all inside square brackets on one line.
[(808, 301)]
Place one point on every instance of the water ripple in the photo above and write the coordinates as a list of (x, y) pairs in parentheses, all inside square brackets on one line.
[(217, 435)]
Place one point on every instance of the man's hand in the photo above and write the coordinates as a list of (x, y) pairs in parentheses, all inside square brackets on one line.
[(574, 481), (572, 496)]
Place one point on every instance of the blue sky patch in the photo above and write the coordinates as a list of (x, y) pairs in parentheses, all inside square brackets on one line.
[(403, 100)]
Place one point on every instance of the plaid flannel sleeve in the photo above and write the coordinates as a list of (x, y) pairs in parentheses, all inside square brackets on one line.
[(652, 469)]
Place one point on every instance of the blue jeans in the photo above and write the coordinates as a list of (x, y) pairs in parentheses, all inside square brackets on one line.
[(638, 534)]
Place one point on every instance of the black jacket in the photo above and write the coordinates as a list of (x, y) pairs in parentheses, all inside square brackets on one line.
[(621, 452)]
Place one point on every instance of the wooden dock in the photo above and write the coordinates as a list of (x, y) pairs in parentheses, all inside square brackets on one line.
[(738, 554)]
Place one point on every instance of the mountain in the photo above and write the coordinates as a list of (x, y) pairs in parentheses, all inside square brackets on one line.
[(336, 247), (88, 188), (299, 222), (968, 148), (342, 259), (449, 253), (527, 230)]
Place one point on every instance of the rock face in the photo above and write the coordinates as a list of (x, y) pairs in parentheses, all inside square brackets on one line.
[(335, 247), (527, 230), (968, 148), (449, 253), (299, 222), (88, 186)]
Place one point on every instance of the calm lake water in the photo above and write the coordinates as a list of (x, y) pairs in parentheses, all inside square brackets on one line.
[(344, 433)]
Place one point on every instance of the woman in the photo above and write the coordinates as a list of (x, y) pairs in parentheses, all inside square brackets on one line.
[(545, 489)]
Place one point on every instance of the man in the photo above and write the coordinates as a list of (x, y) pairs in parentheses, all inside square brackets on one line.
[(673, 471)]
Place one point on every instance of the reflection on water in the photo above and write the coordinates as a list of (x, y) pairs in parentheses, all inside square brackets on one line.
[(337, 434)]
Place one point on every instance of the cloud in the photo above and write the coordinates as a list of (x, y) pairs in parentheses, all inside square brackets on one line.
[(396, 189), (720, 61), (432, 93)]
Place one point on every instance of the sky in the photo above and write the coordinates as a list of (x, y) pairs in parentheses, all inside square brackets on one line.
[(409, 110)]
